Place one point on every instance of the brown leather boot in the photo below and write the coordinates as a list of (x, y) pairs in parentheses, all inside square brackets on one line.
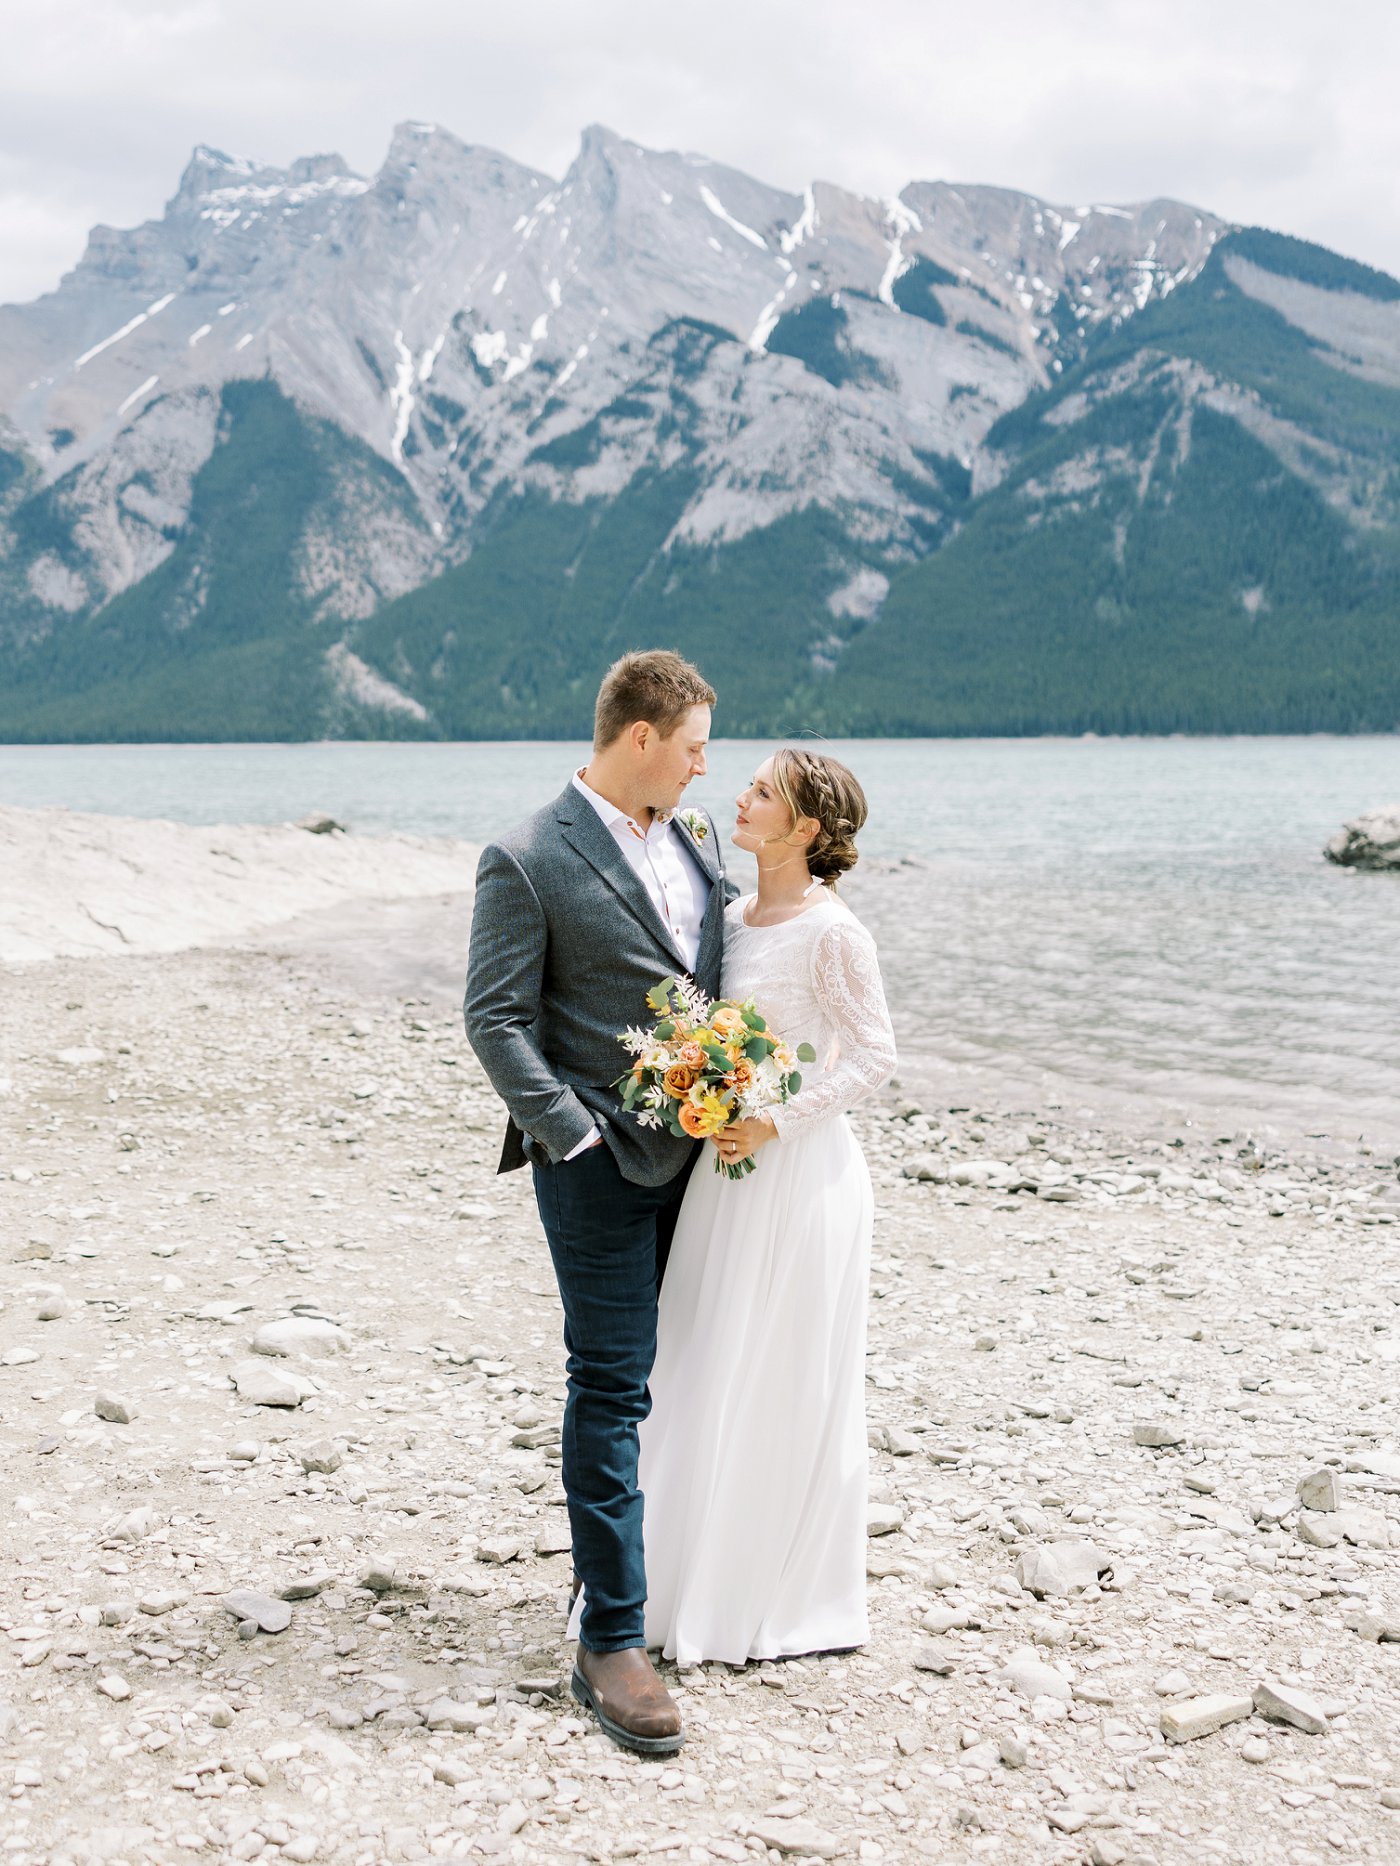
[(624, 1693)]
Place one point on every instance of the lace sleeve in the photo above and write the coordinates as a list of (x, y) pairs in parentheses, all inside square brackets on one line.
[(846, 979)]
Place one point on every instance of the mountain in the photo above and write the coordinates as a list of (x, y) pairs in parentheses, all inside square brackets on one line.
[(416, 454)]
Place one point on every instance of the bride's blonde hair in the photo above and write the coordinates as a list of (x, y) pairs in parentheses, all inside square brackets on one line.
[(815, 785)]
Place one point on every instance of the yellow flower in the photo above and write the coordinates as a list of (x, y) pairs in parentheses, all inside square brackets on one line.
[(727, 1022), (703, 1114)]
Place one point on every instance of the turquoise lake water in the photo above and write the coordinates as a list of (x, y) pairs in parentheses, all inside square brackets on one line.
[(1082, 920)]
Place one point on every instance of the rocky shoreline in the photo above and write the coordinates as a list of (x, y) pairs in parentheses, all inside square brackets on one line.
[(279, 1351)]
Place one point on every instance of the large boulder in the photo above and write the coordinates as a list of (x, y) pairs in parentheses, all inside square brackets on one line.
[(1370, 841)]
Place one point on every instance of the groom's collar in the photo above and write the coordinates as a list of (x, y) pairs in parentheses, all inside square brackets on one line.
[(612, 815)]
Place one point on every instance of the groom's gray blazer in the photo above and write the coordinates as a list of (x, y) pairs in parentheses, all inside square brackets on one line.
[(565, 945)]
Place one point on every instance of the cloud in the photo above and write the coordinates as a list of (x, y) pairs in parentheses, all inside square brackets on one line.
[(1261, 110)]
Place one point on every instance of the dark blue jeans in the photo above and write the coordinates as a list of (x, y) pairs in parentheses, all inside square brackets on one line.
[(609, 1240)]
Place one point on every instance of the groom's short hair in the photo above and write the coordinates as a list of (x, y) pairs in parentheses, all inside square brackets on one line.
[(656, 685)]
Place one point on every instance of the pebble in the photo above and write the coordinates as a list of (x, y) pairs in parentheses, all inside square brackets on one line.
[(1390, 1797), (308, 1586), (114, 1410), (883, 1519), (247, 1605), (304, 1337), (1255, 1749), (1284, 1704), (1320, 1489), (263, 1385), (1202, 1716), (1025, 1671), (554, 1539), (110, 1685), (380, 1577), (160, 1603), (499, 1549), (930, 1657), (801, 1837), (1157, 1433), (323, 1457), (1061, 1569)]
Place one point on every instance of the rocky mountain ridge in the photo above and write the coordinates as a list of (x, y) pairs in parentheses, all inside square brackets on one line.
[(459, 351)]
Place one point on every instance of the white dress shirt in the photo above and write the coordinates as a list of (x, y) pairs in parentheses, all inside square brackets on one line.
[(671, 876)]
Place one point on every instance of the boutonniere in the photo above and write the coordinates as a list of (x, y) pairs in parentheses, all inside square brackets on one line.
[(696, 822)]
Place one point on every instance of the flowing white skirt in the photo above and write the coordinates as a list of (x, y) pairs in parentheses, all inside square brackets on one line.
[(753, 1461)]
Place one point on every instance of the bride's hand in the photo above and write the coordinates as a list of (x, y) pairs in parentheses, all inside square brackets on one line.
[(741, 1139)]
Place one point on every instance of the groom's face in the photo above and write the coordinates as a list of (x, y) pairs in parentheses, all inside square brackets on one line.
[(673, 761)]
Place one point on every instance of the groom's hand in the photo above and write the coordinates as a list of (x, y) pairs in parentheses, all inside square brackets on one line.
[(741, 1139)]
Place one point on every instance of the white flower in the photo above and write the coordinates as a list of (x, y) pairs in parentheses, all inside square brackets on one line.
[(696, 822)]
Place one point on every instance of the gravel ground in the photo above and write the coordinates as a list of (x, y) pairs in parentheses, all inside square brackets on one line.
[(1101, 1365)]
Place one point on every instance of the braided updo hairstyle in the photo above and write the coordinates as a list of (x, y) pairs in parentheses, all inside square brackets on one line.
[(814, 785)]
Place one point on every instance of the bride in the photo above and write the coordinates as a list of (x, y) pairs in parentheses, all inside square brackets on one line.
[(753, 1461)]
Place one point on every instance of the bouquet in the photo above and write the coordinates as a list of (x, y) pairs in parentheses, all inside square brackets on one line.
[(704, 1064)]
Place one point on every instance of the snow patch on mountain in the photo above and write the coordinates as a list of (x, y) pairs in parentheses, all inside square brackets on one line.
[(354, 680)]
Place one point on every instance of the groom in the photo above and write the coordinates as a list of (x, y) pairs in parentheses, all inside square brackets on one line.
[(579, 911)]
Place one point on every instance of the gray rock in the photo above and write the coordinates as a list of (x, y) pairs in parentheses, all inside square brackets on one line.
[(927, 1168), (308, 1586), (321, 823), (1014, 1750), (301, 1337), (1197, 1717), (447, 1714), (1370, 841), (113, 1409), (499, 1549), (267, 1614), (1060, 1570), (1320, 1489), (1378, 1626), (554, 1538), (1157, 1433), (264, 1385), (1367, 1529), (882, 1519), (1283, 1704), (1390, 1797), (1025, 1671), (801, 1837), (381, 1577), (928, 1656), (1319, 1531), (323, 1457)]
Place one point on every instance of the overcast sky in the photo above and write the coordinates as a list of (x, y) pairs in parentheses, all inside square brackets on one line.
[(1275, 111)]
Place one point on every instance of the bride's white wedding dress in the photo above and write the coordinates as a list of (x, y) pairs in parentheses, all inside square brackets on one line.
[(753, 1461)]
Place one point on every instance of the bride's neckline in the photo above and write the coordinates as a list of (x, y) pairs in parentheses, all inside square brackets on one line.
[(772, 926)]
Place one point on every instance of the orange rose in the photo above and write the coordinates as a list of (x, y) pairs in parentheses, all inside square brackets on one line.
[(740, 1077), (727, 1023), (691, 1056), (678, 1081), (693, 1120)]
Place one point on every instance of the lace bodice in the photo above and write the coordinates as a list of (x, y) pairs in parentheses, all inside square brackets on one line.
[(816, 980)]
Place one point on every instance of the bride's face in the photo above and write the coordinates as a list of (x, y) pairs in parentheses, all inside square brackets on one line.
[(763, 816)]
